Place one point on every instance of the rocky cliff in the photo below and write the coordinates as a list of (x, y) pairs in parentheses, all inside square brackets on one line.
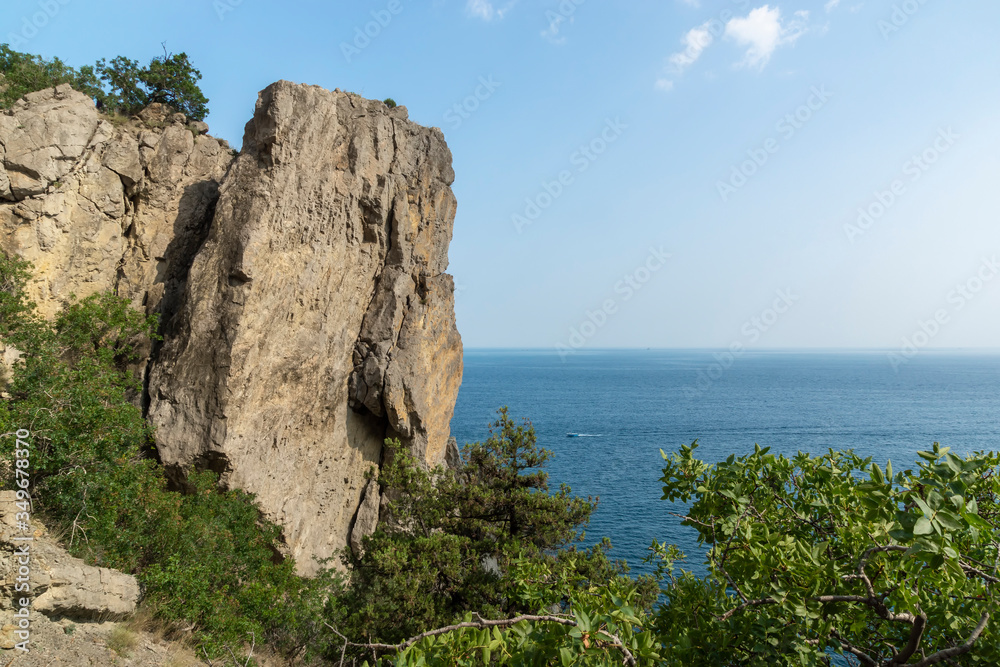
[(102, 206), (306, 313)]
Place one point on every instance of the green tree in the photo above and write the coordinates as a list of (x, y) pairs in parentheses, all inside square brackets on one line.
[(171, 80), (22, 73), (811, 559), (454, 541), (815, 555), (121, 86)]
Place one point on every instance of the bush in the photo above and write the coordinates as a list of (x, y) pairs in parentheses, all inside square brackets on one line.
[(454, 541), (119, 87), (22, 73), (207, 558), (169, 80), (389, 102)]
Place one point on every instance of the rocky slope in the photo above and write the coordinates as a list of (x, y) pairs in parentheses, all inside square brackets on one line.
[(301, 285)]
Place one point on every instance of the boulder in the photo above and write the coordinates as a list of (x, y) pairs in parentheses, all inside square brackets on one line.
[(60, 585)]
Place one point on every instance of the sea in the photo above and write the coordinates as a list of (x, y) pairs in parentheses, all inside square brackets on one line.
[(627, 405)]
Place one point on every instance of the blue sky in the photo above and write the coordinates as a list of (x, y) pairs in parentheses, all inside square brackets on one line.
[(676, 173)]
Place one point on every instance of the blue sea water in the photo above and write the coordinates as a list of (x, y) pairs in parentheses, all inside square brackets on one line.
[(633, 403)]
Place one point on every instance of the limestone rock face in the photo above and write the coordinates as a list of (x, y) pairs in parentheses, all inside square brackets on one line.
[(101, 207), (61, 585), (306, 312), (317, 319)]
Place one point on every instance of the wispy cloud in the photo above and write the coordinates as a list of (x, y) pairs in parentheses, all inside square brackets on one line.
[(762, 31), (695, 41), (831, 5), (692, 3), (486, 10), (759, 33)]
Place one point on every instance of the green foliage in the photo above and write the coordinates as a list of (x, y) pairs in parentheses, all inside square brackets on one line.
[(454, 542), (22, 73), (119, 87), (600, 626), (205, 558), (820, 554), (171, 80), (389, 102), (809, 558)]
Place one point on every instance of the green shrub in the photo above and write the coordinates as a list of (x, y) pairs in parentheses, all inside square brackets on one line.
[(22, 73), (389, 102), (454, 539), (119, 87), (205, 558), (171, 80)]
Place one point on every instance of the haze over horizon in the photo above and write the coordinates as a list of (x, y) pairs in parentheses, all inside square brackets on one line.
[(663, 174)]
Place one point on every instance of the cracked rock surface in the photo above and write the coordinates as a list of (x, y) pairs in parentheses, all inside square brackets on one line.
[(306, 311), (100, 207)]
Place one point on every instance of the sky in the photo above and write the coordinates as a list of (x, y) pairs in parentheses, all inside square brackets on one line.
[(666, 174)]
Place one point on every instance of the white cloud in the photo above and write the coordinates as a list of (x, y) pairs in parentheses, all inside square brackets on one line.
[(762, 31), (485, 9), (693, 3), (831, 5), (695, 41)]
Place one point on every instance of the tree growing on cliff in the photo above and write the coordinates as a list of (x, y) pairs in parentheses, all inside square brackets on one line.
[(121, 86), (458, 541), (170, 80), (206, 558), (23, 73)]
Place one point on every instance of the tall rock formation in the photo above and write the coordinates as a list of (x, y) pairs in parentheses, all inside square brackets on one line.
[(307, 313)]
